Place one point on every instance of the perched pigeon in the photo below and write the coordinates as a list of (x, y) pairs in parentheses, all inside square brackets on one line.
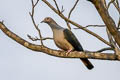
[(66, 40)]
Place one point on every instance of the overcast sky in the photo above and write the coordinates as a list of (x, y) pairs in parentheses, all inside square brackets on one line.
[(19, 63)]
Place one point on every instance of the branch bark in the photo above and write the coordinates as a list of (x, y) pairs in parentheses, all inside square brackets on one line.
[(110, 24), (58, 53)]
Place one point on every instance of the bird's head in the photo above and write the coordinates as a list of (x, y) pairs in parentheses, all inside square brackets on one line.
[(47, 20)]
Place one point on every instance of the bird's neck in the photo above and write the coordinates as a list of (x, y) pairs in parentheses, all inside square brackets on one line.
[(55, 26)]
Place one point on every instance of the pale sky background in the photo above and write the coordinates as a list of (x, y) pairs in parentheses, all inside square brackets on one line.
[(19, 63)]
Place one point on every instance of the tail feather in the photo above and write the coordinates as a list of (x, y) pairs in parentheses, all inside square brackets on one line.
[(87, 63)]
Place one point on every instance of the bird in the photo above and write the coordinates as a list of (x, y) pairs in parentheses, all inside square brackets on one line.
[(66, 40)]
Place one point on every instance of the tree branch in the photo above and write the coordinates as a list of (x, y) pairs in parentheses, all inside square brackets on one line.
[(117, 6), (105, 49), (71, 13), (112, 1), (57, 6), (72, 9), (110, 24), (36, 39), (57, 53)]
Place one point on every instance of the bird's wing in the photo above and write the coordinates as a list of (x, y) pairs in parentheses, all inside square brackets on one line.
[(70, 37)]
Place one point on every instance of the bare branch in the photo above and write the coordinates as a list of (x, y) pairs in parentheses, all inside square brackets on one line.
[(110, 38), (118, 23), (71, 13), (72, 9), (115, 3), (57, 53), (105, 49), (57, 6), (62, 9), (92, 26), (117, 6), (104, 2), (32, 17), (109, 22), (75, 24), (33, 6), (36, 39), (112, 1), (95, 25), (117, 51)]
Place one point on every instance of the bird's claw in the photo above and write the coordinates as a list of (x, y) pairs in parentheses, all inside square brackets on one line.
[(67, 53)]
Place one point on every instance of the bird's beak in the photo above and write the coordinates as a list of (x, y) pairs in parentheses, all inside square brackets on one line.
[(42, 21)]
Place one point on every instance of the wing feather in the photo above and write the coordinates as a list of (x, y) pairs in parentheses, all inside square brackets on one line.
[(70, 37)]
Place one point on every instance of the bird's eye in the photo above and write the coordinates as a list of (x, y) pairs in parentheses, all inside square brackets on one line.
[(47, 19)]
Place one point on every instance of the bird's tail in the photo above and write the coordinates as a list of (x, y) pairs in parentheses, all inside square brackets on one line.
[(87, 63)]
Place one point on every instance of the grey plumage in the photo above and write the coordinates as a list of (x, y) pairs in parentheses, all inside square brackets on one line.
[(66, 40)]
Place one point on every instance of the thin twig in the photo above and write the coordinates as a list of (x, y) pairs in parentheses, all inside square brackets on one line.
[(71, 13), (118, 23), (72, 9), (105, 49), (32, 17), (110, 4), (117, 6), (110, 39), (117, 3), (68, 25), (36, 39), (62, 9), (92, 26), (57, 6), (95, 26), (113, 43)]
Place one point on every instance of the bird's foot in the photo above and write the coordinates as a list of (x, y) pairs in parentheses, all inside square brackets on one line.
[(67, 53)]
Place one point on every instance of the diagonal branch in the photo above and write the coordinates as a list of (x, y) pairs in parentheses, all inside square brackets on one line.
[(112, 1), (110, 24), (118, 26), (57, 6), (104, 2), (115, 3), (72, 9), (57, 53), (117, 7), (75, 24), (71, 13)]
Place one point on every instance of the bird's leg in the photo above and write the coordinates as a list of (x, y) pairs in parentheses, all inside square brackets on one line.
[(68, 52)]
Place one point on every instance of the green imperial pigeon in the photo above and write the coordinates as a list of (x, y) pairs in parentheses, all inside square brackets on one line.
[(66, 40)]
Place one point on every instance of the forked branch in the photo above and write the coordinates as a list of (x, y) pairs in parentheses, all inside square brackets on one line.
[(32, 17), (109, 22)]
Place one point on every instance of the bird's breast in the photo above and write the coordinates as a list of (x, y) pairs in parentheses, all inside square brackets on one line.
[(60, 40)]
